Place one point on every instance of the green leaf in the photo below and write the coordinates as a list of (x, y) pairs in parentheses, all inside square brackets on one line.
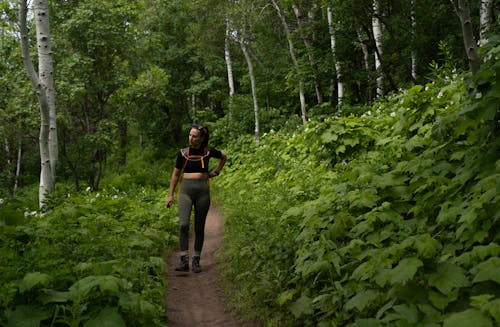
[(493, 308), (426, 246), (27, 316), (409, 312), (303, 306), (84, 286), (108, 317), (448, 277), (286, 296), (488, 270), (441, 301), (52, 296), (405, 270), (361, 300), (31, 280), (467, 318), (402, 273), (369, 322)]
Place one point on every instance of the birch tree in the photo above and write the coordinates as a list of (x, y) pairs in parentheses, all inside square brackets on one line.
[(229, 68), (377, 36), (413, 38), (336, 63), (463, 11), (485, 17), (43, 83), (295, 62), (302, 24), (253, 85)]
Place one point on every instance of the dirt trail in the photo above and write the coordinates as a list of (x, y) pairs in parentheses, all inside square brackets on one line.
[(197, 299)]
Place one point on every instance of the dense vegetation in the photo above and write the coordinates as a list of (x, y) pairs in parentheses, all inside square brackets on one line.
[(391, 218), (93, 259), (377, 211)]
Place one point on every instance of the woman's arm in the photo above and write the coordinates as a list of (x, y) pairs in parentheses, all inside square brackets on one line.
[(173, 183), (220, 165)]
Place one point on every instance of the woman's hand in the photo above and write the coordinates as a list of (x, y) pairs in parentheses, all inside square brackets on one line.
[(213, 174), (170, 201)]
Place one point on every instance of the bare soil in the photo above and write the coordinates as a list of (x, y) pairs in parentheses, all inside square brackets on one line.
[(198, 299)]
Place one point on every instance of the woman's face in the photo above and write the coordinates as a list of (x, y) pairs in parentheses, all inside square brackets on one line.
[(195, 138)]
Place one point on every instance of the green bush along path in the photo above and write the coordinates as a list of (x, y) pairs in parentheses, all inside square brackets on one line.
[(386, 219)]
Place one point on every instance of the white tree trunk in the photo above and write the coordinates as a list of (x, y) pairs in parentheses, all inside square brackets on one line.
[(43, 85), (336, 62), (18, 166), (485, 17), (309, 47), (230, 78), (463, 12), (377, 36), (229, 64), (294, 60), (254, 88), (413, 33)]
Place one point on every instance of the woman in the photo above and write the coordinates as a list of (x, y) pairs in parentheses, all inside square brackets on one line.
[(192, 167)]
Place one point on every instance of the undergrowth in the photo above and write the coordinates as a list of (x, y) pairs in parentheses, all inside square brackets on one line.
[(386, 219), (92, 259)]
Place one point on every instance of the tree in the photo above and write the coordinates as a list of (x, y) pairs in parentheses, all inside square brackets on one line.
[(295, 62), (377, 36), (336, 62), (463, 11), (303, 22), (485, 18), (246, 51), (43, 83)]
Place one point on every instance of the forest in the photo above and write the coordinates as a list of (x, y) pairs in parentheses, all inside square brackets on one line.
[(362, 182)]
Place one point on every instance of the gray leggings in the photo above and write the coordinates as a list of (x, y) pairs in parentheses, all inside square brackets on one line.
[(193, 192)]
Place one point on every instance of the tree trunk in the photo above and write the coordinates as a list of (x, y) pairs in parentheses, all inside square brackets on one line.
[(309, 49), (229, 64), (366, 60), (295, 62), (18, 167), (336, 63), (413, 41), (377, 36), (254, 88), (463, 12), (485, 13), (230, 78), (43, 85)]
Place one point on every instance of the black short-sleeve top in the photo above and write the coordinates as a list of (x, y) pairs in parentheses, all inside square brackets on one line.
[(195, 160)]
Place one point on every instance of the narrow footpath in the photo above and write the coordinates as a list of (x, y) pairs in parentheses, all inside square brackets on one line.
[(197, 299)]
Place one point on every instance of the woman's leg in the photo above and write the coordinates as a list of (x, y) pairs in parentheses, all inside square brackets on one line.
[(201, 207), (185, 205)]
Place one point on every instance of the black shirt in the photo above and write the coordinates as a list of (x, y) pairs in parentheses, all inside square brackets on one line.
[(196, 160)]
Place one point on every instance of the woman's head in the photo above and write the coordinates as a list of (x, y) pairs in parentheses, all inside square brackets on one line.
[(198, 136)]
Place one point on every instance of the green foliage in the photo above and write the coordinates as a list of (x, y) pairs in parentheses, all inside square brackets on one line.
[(93, 258), (390, 218)]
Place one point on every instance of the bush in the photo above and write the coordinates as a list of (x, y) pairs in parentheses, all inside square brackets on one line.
[(390, 218)]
